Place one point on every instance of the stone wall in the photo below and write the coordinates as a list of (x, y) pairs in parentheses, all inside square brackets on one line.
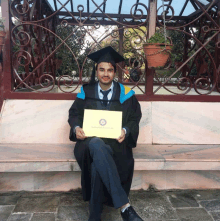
[(45, 121)]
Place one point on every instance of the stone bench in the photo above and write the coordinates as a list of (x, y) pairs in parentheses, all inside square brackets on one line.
[(55, 158), (52, 167), (178, 146)]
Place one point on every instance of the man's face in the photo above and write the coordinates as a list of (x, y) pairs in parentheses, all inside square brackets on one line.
[(105, 73)]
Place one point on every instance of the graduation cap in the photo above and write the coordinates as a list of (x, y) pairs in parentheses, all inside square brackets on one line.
[(107, 54)]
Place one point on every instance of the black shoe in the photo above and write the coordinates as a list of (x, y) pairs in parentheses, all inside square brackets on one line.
[(130, 215)]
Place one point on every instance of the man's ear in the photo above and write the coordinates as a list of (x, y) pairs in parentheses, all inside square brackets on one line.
[(114, 74)]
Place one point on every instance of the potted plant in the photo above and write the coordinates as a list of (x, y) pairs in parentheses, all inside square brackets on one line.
[(156, 50), (2, 34)]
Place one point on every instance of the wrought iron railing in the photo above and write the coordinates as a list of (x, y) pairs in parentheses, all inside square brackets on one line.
[(49, 47)]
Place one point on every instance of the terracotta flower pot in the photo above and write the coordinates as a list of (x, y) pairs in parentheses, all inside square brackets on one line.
[(2, 38), (155, 56)]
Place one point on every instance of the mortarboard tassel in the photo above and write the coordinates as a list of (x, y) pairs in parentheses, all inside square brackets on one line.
[(92, 80)]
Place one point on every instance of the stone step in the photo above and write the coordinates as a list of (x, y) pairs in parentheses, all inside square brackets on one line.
[(60, 157)]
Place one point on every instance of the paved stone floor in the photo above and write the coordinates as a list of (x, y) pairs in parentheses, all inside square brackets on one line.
[(186, 205)]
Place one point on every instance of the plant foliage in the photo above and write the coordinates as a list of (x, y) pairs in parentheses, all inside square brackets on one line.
[(158, 37), (1, 24), (76, 43)]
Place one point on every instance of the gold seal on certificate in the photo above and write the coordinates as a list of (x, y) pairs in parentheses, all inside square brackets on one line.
[(102, 123)]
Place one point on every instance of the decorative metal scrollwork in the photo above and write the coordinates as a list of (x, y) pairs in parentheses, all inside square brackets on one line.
[(50, 47)]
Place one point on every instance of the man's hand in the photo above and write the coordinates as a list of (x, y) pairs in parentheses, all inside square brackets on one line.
[(80, 133), (122, 136)]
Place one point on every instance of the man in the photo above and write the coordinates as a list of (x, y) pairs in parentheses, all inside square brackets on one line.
[(107, 164)]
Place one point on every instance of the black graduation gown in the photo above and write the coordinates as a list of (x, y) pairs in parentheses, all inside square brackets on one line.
[(123, 156)]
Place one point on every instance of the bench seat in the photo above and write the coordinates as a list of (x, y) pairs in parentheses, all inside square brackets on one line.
[(60, 157), (36, 154)]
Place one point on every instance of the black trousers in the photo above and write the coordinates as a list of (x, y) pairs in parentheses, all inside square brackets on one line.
[(104, 172)]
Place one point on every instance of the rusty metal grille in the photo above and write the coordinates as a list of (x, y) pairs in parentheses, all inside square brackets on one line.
[(49, 47), (196, 71)]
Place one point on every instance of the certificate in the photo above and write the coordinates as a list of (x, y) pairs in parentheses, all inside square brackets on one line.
[(102, 123)]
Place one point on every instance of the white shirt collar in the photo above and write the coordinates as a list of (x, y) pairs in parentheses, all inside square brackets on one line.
[(99, 88)]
